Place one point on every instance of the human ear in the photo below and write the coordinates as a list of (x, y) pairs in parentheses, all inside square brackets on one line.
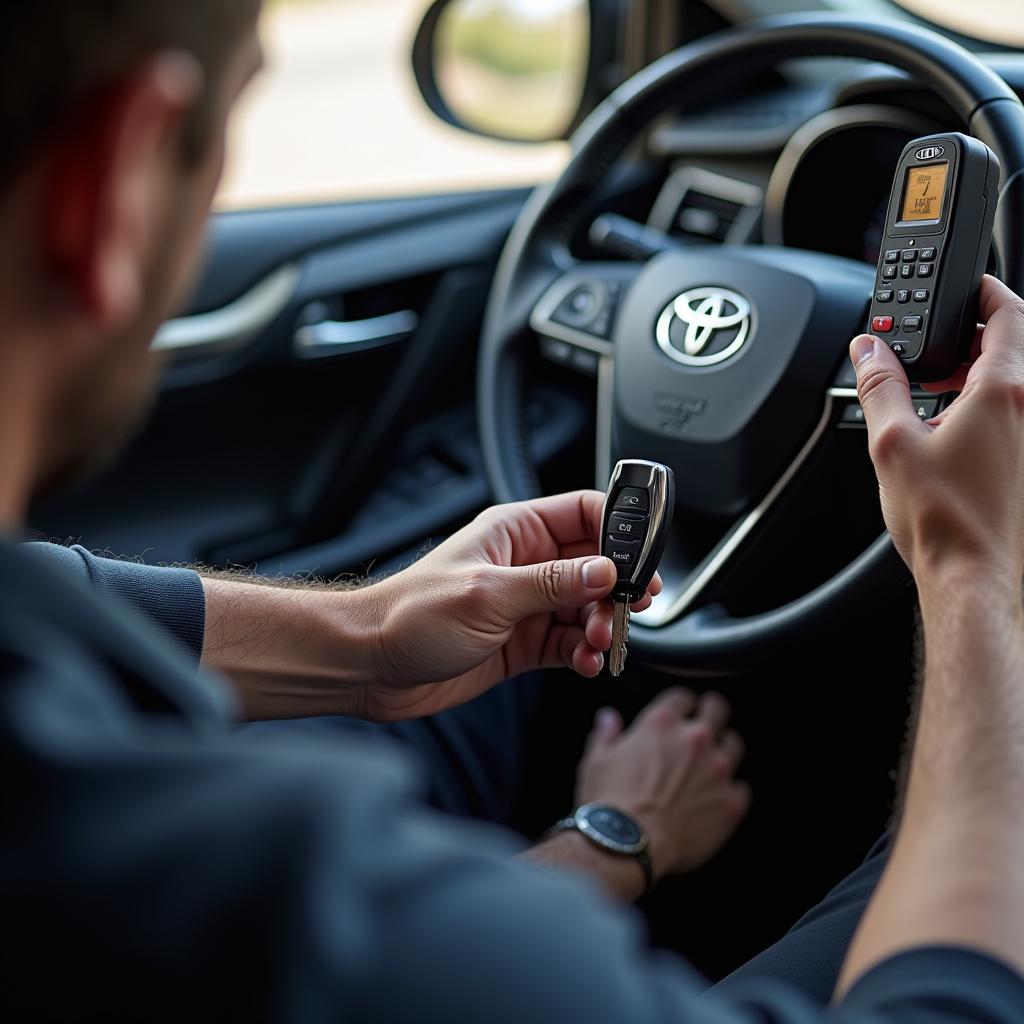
[(110, 179)]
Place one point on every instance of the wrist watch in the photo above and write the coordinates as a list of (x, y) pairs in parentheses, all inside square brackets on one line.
[(613, 831)]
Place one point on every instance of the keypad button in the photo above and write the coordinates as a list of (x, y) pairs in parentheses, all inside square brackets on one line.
[(623, 553), (884, 296), (888, 273), (927, 255), (892, 255), (882, 324), (911, 324), (921, 295), (926, 270), (909, 255), (632, 499), (897, 347), (628, 527), (903, 295), (907, 270)]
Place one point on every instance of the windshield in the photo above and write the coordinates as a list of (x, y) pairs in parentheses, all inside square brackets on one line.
[(995, 21)]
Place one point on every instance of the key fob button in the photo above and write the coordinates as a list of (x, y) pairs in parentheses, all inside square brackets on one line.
[(627, 527), (632, 499), (623, 553)]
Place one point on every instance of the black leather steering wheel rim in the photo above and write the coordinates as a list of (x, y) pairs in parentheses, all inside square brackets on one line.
[(539, 243)]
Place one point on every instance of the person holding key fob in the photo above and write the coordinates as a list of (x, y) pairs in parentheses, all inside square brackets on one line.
[(160, 864)]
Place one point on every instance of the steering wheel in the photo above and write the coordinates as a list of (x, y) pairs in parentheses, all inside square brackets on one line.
[(729, 417)]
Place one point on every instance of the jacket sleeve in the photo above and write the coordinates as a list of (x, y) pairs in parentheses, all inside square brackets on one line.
[(172, 601)]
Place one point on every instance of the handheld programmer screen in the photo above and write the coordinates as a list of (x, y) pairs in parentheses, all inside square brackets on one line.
[(924, 192)]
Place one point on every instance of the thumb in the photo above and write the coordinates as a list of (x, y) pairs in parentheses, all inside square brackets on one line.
[(884, 393), (564, 584)]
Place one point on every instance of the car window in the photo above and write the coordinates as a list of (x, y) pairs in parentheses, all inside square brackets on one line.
[(337, 115), (996, 21)]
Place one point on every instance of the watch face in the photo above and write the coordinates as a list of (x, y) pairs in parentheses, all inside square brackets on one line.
[(611, 826)]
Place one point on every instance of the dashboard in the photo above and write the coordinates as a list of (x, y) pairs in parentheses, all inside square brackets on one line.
[(806, 165)]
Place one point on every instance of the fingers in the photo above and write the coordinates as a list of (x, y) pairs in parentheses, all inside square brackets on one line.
[(884, 393), (669, 707), (994, 296), (566, 583), (959, 379), (607, 727), (732, 748), (713, 709), (567, 647), (597, 624), (572, 517)]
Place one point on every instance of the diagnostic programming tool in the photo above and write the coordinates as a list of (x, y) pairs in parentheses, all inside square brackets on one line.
[(938, 236)]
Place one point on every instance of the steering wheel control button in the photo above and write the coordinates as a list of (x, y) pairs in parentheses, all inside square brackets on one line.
[(628, 527), (927, 255), (892, 255), (882, 324), (926, 270), (926, 409), (921, 295), (632, 499), (909, 255), (911, 324), (853, 415), (884, 296), (903, 295), (583, 306)]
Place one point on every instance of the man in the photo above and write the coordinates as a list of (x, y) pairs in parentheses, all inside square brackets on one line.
[(156, 865)]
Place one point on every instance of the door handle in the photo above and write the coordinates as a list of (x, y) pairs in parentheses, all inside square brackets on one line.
[(341, 337)]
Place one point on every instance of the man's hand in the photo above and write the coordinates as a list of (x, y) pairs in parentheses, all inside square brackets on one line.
[(674, 771), (951, 488), (520, 588), (952, 493)]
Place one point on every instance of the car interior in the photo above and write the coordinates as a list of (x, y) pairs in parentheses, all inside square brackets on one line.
[(351, 381)]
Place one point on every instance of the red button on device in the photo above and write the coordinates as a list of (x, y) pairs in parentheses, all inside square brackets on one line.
[(882, 324)]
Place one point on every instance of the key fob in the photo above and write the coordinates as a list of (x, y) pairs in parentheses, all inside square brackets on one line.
[(637, 514)]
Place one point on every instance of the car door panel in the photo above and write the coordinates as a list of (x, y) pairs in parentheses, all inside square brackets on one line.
[(278, 441)]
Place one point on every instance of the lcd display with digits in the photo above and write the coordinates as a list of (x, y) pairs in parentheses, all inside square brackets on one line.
[(924, 192)]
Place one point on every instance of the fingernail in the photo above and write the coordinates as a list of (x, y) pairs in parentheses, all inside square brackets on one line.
[(862, 348), (598, 573)]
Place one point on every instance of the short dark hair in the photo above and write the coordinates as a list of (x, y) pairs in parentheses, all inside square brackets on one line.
[(57, 54)]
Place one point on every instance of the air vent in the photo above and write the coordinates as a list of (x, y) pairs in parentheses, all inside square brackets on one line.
[(700, 205)]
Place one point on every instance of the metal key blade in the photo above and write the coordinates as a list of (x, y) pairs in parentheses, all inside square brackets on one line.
[(620, 639)]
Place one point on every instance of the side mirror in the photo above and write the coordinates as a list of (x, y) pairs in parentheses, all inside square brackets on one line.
[(520, 70)]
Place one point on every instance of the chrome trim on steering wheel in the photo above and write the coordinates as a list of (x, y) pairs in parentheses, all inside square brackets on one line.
[(673, 602)]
